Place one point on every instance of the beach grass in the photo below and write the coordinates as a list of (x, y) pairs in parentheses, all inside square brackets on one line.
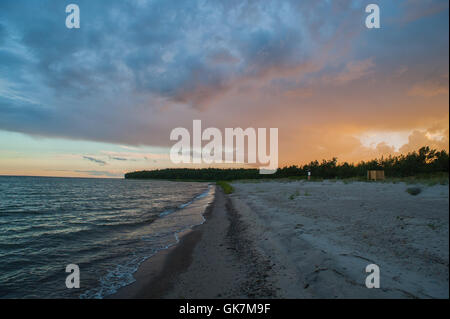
[(428, 180), (425, 179), (226, 187)]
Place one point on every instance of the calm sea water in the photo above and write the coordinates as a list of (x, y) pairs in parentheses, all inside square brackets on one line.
[(107, 227)]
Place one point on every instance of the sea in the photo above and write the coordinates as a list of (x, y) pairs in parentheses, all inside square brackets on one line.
[(106, 227)]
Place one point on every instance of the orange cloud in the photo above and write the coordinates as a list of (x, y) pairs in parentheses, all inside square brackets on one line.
[(428, 89)]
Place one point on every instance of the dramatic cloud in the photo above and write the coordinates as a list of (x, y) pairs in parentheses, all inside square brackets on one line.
[(420, 138), (136, 69)]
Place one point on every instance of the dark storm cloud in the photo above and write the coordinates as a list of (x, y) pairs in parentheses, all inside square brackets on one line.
[(111, 79), (130, 51)]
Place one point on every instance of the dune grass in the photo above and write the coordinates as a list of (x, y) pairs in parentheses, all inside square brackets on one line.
[(427, 180), (226, 187), (424, 179)]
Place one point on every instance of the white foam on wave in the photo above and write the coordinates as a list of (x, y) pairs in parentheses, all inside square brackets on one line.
[(163, 234)]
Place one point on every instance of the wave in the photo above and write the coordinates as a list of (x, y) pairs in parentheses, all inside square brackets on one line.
[(106, 227), (197, 197), (123, 274)]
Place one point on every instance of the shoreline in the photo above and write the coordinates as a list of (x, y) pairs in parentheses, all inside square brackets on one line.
[(159, 270), (213, 252)]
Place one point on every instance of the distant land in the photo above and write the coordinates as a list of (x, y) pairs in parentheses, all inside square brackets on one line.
[(423, 162)]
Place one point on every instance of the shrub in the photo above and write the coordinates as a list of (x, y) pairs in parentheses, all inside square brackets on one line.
[(227, 188), (414, 190)]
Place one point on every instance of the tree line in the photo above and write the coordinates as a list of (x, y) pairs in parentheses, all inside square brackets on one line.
[(421, 162)]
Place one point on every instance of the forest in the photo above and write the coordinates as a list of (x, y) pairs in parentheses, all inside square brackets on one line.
[(424, 161)]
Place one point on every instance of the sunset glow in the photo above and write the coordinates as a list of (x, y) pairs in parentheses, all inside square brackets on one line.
[(101, 100)]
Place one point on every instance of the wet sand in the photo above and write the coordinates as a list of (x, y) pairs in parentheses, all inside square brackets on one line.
[(214, 260), (307, 240)]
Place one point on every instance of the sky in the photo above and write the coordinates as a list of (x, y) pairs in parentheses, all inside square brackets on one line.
[(101, 100)]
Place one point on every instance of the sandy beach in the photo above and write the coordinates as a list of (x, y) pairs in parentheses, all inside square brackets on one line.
[(303, 239)]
